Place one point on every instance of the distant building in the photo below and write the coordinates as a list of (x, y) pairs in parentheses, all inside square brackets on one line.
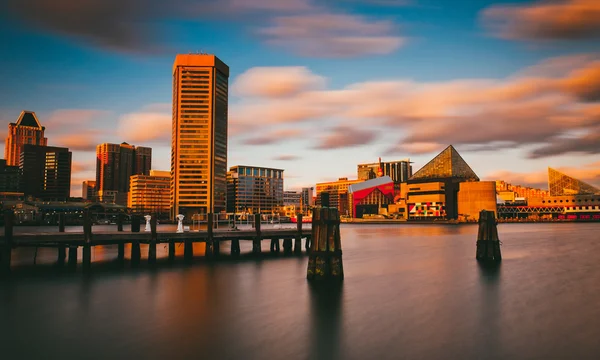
[(370, 197), (308, 199), (338, 193), (27, 130), (399, 171), (199, 137), (115, 163), (254, 189), (46, 172), (9, 177), (292, 198), (150, 194), (88, 190)]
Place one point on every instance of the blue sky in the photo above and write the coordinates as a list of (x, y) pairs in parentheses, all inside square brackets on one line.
[(316, 89)]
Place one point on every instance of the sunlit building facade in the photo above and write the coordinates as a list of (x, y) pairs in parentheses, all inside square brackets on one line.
[(338, 193), (88, 190), (27, 130), (254, 190), (199, 135), (150, 194)]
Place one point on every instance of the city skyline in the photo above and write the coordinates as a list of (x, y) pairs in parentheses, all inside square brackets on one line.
[(366, 81)]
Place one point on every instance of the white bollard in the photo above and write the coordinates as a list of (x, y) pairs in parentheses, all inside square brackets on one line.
[(148, 218), (180, 224)]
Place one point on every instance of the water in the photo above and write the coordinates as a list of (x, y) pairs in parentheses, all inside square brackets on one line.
[(410, 292)]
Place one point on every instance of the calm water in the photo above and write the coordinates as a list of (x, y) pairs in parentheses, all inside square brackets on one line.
[(410, 292)]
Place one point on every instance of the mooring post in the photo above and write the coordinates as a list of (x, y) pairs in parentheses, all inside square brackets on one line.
[(287, 246), (209, 235), (120, 222), (256, 243), (171, 250), (153, 239), (298, 240), (87, 240), (62, 255), (188, 250), (325, 258), (6, 253), (235, 247), (72, 256), (135, 243), (488, 243), (61, 222)]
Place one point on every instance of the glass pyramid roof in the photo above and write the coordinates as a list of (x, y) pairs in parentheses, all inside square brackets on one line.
[(561, 184), (447, 164)]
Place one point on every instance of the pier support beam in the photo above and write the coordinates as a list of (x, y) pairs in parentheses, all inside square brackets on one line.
[(61, 222), (325, 258), (171, 250), (135, 244), (188, 250), (6, 248), (72, 256), (235, 247), (62, 255), (275, 245), (120, 222), (209, 236), (87, 240), (153, 240), (257, 241), (287, 246), (488, 244), (121, 252), (298, 239)]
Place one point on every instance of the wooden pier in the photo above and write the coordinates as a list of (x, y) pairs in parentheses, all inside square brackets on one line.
[(87, 239)]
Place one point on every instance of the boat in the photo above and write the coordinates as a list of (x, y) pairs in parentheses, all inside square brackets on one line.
[(305, 219)]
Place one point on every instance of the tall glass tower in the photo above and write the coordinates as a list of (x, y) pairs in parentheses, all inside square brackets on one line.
[(199, 135)]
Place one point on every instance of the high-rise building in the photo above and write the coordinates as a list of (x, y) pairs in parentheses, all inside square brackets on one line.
[(399, 171), (291, 198), (9, 178), (46, 172), (338, 193), (115, 163), (88, 190), (254, 189), (27, 130), (150, 194), (199, 135)]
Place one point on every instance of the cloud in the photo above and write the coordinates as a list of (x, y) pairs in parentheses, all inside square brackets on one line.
[(78, 166), (78, 141), (65, 119), (343, 137), (588, 143), (535, 106), (545, 20), (142, 127), (332, 35), (276, 81), (274, 137), (286, 158)]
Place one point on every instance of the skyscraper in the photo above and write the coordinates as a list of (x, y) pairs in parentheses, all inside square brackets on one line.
[(114, 166), (27, 130), (88, 190), (254, 189), (199, 135), (46, 172)]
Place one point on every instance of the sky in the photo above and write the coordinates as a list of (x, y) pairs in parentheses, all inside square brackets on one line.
[(317, 87)]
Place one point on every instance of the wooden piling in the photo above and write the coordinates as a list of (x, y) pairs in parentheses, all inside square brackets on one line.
[(171, 250), (153, 239), (257, 242), (287, 246), (120, 222), (6, 248), (136, 252), (325, 259), (61, 222), (298, 239), (235, 247), (188, 250), (72, 256), (62, 255), (275, 245), (121, 252), (488, 243), (87, 240), (209, 235)]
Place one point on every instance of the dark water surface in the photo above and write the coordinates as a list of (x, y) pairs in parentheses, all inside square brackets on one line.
[(410, 292)]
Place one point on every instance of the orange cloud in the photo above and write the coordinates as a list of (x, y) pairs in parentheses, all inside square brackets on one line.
[(144, 127), (276, 81), (81, 141), (274, 137), (286, 158), (545, 20), (342, 137)]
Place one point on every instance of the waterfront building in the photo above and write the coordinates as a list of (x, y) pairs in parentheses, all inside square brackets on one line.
[(512, 193), (9, 178), (88, 190), (292, 198), (338, 193), (45, 172), (399, 171), (150, 194), (254, 189), (199, 135), (370, 197), (561, 184), (27, 130), (115, 163)]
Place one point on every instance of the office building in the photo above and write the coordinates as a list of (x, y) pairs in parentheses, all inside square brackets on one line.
[(292, 198), (338, 193), (27, 130), (9, 178), (199, 137), (46, 172), (399, 171), (254, 190), (115, 163), (150, 194), (88, 190)]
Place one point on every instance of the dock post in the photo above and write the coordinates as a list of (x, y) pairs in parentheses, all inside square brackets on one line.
[(135, 244), (121, 252), (325, 258), (72, 256), (287, 246), (209, 236), (188, 250), (171, 250), (153, 239), (235, 247), (61, 222), (298, 240), (275, 245), (87, 240), (62, 255), (120, 222), (6, 253), (256, 243), (488, 244)]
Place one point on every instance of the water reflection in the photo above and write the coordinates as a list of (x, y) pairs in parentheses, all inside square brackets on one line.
[(326, 312)]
